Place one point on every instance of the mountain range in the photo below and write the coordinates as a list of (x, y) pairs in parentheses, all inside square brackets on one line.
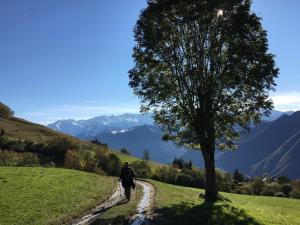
[(272, 146)]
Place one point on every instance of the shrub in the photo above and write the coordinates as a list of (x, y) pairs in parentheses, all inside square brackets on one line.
[(237, 176), (280, 194), (295, 194), (5, 111), (29, 159), (72, 160), (244, 189), (89, 161), (257, 186), (224, 181), (296, 184), (109, 162), (267, 192), (182, 164), (125, 151), (286, 189), (283, 179), (58, 148), (141, 169), (270, 189), (186, 177), (8, 158)]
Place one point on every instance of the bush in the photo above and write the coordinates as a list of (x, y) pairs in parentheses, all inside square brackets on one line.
[(280, 194), (58, 148), (257, 186), (125, 151), (29, 159), (270, 189), (295, 194), (5, 111), (296, 184), (283, 179), (141, 169), (244, 190), (286, 189), (8, 158), (186, 177), (72, 160), (109, 162), (224, 181), (267, 192), (238, 177)]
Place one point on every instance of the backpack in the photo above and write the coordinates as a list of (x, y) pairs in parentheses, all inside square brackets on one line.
[(127, 174)]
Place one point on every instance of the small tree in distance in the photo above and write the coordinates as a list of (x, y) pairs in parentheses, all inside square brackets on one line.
[(146, 155), (237, 176), (203, 69), (125, 151), (5, 111)]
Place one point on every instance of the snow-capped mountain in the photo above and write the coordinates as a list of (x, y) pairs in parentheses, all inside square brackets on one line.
[(92, 127)]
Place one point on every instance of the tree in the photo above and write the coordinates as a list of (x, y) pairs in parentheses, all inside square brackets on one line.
[(146, 155), (5, 111), (283, 179), (125, 151), (203, 69), (237, 176), (2, 132)]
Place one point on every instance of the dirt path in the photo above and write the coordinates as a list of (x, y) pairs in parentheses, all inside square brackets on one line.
[(144, 208)]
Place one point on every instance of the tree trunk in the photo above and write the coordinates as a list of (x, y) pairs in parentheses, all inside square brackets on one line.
[(211, 193)]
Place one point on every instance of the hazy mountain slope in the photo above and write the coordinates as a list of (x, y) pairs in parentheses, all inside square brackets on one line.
[(284, 160), (140, 138), (260, 146), (197, 158)]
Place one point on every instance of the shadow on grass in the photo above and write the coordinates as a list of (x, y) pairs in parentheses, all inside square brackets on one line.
[(118, 220), (204, 214)]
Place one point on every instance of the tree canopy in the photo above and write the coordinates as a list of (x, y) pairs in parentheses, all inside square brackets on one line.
[(5, 111), (204, 69)]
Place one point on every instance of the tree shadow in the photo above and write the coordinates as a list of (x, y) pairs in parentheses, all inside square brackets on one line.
[(205, 214)]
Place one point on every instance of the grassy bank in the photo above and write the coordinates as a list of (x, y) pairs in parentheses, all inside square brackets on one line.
[(181, 205), (48, 195)]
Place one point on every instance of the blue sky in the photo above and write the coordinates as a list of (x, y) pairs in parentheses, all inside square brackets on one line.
[(69, 58)]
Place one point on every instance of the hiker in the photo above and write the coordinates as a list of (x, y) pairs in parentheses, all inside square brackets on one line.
[(126, 177)]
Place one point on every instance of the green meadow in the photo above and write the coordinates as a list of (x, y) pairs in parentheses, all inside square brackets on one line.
[(181, 205), (49, 195)]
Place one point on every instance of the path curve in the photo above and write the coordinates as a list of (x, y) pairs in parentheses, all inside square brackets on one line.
[(144, 208)]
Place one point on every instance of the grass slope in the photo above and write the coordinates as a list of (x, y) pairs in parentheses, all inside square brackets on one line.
[(48, 195), (22, 129), (181, 205), (124, 157)]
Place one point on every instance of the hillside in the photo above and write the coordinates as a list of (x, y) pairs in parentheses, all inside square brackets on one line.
[(270, 147), (22, 129), (274, 150), (19, 129), (49, 195)]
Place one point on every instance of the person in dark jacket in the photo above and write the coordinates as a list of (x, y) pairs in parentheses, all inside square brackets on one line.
[(126, 177)]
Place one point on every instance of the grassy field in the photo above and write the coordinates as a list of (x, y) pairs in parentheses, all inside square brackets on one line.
[(130, 159), (48, 195), (182, 206)]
